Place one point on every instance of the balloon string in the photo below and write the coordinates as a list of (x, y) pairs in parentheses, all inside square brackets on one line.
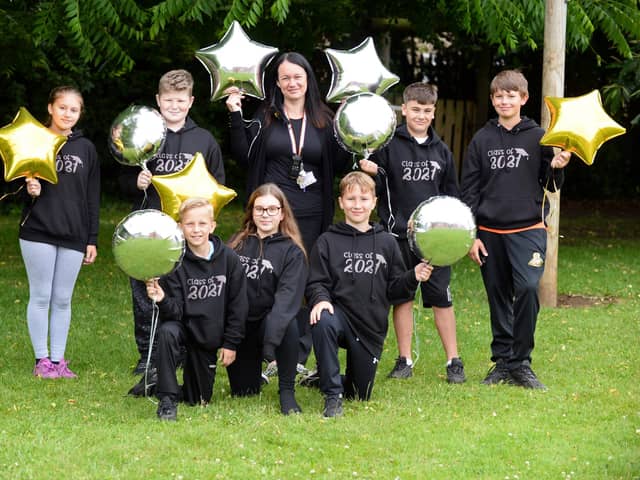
[(392, 218), (26, 217), (152, 335), (8, 194), (416, 312), (248, 124)]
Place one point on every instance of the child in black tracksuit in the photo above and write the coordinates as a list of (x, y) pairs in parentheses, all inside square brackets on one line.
[(184, 139), (504, 172), (356, 272), (203, 308), (271, 250), (415, 166)]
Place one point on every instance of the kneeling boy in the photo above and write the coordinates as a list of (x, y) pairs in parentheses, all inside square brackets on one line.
[(203, 307), (356, 272)]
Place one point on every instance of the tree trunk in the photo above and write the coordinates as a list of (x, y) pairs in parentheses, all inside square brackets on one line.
[(555, 24)]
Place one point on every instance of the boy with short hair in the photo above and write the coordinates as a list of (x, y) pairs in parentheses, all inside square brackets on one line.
[(355, 273), (505, 170), (203, 309), (184, 139), (415, 166)]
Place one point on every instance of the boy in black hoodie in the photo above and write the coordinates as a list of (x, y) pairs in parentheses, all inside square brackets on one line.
[(505, 170), (203, 308), (415, 166), (356, 272), (184, 139)]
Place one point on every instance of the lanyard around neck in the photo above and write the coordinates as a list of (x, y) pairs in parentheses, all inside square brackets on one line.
[(297, 150)]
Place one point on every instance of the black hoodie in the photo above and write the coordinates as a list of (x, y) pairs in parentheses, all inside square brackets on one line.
[(504, 173), (209, 297), (362, 273), (67, 213), (276, 271), (410, 173), (179, 148)]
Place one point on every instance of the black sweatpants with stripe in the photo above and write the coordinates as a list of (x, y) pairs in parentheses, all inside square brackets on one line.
[(511, 274)]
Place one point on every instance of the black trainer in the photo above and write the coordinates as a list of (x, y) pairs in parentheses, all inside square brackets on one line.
[(401, 369), (145, 387), (140, 366), (455, 371), (523, 376), (498, 373), (167, 409), (288, 404), (332, 406)]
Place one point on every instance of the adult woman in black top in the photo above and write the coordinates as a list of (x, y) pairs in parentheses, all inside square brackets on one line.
[(290, 142)]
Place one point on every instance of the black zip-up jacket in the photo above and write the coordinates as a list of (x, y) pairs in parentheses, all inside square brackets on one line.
[(362, 273), (67, 214), (414, 172), (504, 173), (209, 297), (178, 149), (248, 148), (276, 271)]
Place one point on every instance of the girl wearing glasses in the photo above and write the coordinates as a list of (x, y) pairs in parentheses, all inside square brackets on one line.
[(272, 252)]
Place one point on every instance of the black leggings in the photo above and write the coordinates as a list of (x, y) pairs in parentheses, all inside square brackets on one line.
[(245, 372)]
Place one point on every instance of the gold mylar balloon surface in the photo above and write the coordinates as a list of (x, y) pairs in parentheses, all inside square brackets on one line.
[(194, 180), (29, 149), (580, 125)]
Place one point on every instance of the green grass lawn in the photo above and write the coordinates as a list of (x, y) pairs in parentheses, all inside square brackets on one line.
[(585, 426)]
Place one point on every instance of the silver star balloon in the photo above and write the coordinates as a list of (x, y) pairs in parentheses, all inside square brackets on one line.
[(236, 61), (357, 70)]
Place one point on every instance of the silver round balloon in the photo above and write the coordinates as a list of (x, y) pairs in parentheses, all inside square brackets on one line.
[(147, 244), (441, 230), (364, 123), (137, 135)]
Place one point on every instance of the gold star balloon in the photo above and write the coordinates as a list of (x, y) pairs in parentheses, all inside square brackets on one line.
[(580, 125), (29, 149), (194, 180), (357, 70), (236, 61)]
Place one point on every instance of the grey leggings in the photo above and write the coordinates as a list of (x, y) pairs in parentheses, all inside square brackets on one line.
[(52, 272)]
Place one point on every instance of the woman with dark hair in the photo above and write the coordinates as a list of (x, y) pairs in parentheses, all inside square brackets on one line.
[(290, 142), (271, 251), (59, 233)]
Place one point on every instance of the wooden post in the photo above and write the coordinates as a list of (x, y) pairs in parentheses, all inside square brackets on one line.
[(555, 25)]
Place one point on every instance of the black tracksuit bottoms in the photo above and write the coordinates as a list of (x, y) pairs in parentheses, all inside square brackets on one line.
[(330, 333), (199, 372), (142, 311), (245, 374), (511, 274)]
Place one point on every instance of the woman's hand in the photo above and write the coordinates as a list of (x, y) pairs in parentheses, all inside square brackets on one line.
[(144, 179), (234, 100), (33, 186)]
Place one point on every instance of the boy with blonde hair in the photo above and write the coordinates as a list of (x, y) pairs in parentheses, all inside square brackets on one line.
[(356, 272), (203, 309)]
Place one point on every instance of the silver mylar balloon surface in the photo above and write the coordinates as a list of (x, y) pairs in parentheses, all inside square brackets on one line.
[(364, 123), (147, 244), (137, 135), (441, 230), (357, 70), (236, 61)]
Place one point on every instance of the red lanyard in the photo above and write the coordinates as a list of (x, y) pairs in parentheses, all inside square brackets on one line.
[(292, 137)]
